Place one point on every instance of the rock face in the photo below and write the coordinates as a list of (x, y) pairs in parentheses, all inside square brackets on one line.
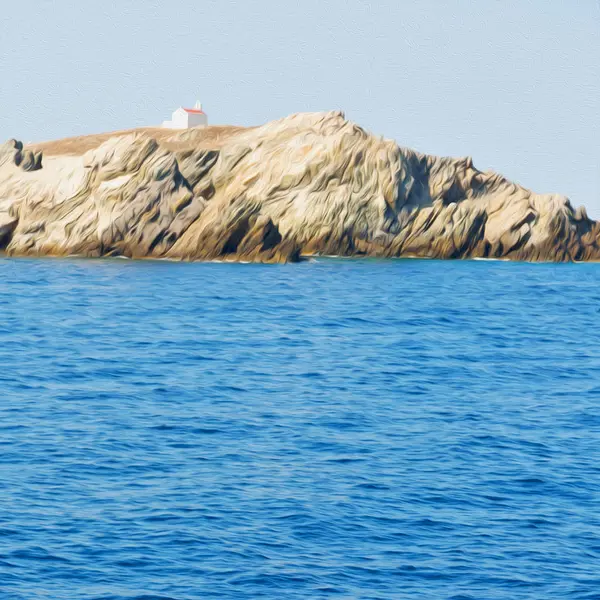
[(304, 185)]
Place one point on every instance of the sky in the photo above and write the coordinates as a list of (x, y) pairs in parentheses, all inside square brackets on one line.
[(513, 83)]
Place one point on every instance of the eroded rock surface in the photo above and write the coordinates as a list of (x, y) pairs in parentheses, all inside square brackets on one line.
[(307, 184)]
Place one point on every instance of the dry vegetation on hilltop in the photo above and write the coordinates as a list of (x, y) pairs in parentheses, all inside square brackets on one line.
[(212, 137)]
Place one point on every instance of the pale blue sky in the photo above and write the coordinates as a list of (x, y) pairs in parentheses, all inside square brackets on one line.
[(513, 83)]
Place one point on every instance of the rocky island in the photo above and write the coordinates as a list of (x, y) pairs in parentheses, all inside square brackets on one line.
[(308, 184)]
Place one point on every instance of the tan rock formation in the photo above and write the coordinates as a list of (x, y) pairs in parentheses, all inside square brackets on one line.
[(306, 184)]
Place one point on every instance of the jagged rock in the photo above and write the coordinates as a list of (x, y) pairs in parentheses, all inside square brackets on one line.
[(307, 184), (10, 152), (7, 226), (31, 161)]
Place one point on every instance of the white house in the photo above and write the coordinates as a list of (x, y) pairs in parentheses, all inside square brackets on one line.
[(184, 118)]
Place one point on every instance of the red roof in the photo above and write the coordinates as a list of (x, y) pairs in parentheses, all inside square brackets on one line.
[(194, 111)]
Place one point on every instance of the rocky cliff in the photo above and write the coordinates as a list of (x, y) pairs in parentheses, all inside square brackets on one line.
[(304, 185)]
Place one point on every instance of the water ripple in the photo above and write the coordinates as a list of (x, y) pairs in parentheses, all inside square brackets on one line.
[(334, 429)]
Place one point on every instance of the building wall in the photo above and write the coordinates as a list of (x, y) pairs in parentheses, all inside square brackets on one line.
[(197, 120), (183, 120), (179, 119)]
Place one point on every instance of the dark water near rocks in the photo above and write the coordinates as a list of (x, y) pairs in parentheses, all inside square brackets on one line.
[(334, 429)]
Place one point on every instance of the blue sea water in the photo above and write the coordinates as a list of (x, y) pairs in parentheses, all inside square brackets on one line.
[(332, 429)]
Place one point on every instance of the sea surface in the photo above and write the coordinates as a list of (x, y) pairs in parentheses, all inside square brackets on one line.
[(333, 429)]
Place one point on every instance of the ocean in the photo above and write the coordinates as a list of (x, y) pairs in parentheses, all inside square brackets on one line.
[(356, 429)]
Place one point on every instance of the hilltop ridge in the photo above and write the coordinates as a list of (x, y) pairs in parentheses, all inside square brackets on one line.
[(307, 184)]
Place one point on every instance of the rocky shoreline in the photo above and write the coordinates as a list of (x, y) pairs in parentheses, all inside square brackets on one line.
[(309, 184)]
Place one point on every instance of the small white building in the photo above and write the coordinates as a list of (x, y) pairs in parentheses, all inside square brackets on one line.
[(184, 118)]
